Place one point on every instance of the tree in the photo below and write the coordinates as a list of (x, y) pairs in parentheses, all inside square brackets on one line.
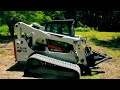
[(10, 18)]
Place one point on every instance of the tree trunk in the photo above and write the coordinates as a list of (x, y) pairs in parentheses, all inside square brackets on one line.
[(11, 23), (11, 30)]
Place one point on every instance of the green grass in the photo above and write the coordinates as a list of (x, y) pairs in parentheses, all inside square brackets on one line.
[(100, 35), (90, 77), (105, 42), (109, 41)]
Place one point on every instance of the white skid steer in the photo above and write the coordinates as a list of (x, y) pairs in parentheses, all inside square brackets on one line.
[(54, 51)]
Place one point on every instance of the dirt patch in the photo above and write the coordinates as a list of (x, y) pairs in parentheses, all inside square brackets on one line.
[(111, 68), (7, 60)]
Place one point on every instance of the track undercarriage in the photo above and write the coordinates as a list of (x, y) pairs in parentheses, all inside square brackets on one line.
[(46, 67)]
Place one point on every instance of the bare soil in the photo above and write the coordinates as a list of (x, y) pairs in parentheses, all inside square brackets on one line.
[(9, 69)]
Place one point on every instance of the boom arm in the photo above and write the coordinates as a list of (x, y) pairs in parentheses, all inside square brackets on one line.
[(31, 31), (43, 35)]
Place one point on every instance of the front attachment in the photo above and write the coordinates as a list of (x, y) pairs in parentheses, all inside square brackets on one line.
[(41, 66), (99, 57), (94, 58)]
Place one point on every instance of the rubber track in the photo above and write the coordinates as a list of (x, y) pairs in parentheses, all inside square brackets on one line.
[(53, 61)]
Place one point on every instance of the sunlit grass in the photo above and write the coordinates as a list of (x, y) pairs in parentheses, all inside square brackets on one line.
[(103, 42), (100, 35), (112, 51), (90, 77)]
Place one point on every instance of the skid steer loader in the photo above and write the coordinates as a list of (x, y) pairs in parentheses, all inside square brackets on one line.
[(54, 51)]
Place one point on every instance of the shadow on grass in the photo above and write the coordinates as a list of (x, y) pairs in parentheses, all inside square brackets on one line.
[(17, 67), (94, 71), (6, 38), (113, 43)]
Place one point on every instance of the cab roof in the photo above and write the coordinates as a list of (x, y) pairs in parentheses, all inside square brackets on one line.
[(71, 21)]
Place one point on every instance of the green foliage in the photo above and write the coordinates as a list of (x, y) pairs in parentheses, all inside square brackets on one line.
[(46, 18), (80, 24), (24, 16), (4, 29), (83, 29), (55, 14), (37, 17), (103, 20), (93, 37), (116, 39)]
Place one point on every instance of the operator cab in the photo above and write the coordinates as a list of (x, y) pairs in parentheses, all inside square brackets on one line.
[(64, 27)]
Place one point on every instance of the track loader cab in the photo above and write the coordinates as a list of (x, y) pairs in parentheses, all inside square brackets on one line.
[(64, 27)]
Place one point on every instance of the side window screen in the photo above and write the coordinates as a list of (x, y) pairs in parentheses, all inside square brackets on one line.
[(59, 28), (52, 28), (55, 28), (65, 29), (48, 28)]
